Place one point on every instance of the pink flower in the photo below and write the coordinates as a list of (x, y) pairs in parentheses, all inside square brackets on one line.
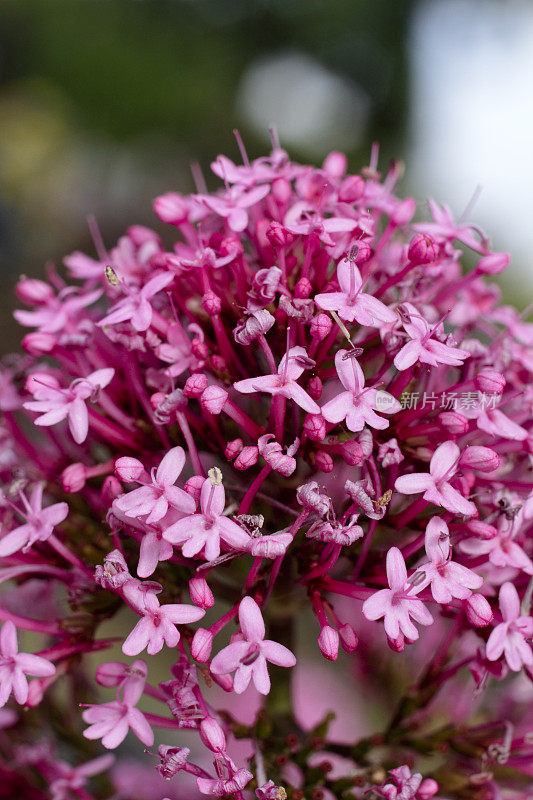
[(58, 404), (435, 485), (249, 655), (111, 722), (207, 529), (351, 303), (136, 305), (305, 220), (443, 228), (397, 604), (291, 366), (503, 549), (14, 666), (157, 626), (153, 499), (40, 523), (58, 314), (509, 638), (234, 204), (423, 348), (229, 779), (72, 779), (357, 405), (446, 578), (493, 421)]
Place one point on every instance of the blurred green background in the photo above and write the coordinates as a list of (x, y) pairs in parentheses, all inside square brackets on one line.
[(105, 103)]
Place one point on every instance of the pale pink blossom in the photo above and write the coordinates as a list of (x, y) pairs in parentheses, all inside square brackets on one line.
[(492, 420), (152, 500), (157, 626), (208, 528), (249, 654), (423, 347), (14, 666), (39, 525), (290, 368), (509, 638), (72, 779), (234, 204), (435, 485), (397, 604), (136, 305), (358, 405), (111, 722), (351, 303), (502, 549), (60, 313), (447, 578), (55, 404)]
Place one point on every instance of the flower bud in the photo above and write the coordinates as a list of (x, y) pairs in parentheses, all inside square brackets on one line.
[(202, 644), (33, 291), (315, 427), (481, 529), (481, 458), (233, 449), (247, 457), (423, 249), (348, 636), (213, 399), (427, 789), (111, 489), (328, 642), (323, 461), (351, 189), (224, 681), (195, 385), (171, 207), (212, 735), (404, 212), (303, 289), (315, 387), (453, 422), (490, 381), (320, 326), (281, 190), (278, 235), (201, 594), (193, 486), (128, 469), (110, 673), (478, 610), (493, 264), (219, 363), (73, 478), (199, 349), (211, 303), (352, 453), (335, 164), (38, 343)]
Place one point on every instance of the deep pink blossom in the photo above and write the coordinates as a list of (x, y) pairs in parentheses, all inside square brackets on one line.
[(157, 626), (423, 347), (136, 305)]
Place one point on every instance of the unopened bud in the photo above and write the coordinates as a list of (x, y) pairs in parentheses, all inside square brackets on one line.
[(193, 486), (171, 208), (328, 642), (201, 594), (211, 303), (128, 469), (490, 381), (213, 399), (33, 291), (348, 636), (454, 423), (233, 449), (323, 461), (202, 644), (247, 457), (303, 289), (315, 427), (73, 478), (423, 249), (351, 189), (195, 385), (478, 610), (315, 387), (480, 458), (352, 453), (212, 735), (38, 343), (320, 326)]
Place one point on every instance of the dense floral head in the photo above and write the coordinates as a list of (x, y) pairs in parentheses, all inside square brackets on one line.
[(295, 410)]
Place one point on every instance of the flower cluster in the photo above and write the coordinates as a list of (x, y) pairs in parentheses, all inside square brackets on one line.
[(210, 427)]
